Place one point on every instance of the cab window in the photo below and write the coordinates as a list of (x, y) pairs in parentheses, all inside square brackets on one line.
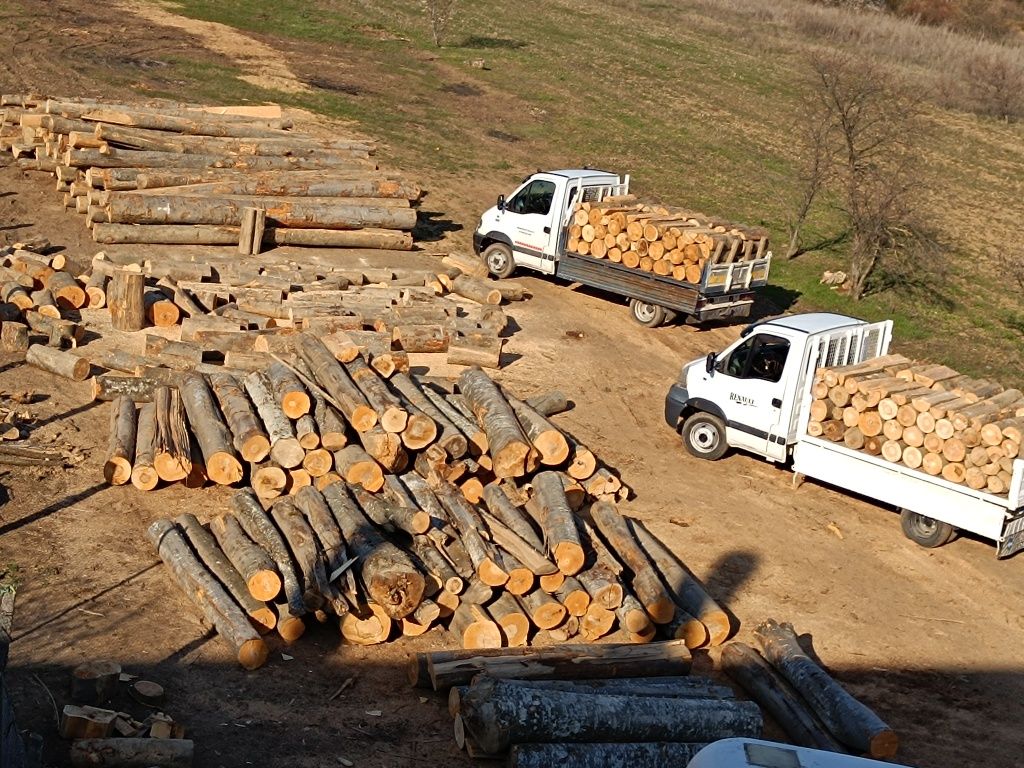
[(535, 197), (760, 357)]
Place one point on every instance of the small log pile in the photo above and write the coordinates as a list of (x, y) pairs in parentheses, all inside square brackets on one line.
[(420, 506), (39, 302), (670, 242), (235, 314), (584, 705), (814, 710), (166, 172), (923, 416)]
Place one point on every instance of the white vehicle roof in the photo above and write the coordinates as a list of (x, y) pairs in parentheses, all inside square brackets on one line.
[(582, 173), (814, 322)]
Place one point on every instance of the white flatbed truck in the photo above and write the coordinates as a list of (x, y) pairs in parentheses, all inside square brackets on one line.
[(756, 395), (531, 228)]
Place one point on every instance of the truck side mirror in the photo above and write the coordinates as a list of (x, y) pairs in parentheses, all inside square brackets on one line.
[(501, 202), (709, 364)]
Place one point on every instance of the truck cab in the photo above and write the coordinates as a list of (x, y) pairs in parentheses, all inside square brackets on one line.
[(750, 395), (528, 227)]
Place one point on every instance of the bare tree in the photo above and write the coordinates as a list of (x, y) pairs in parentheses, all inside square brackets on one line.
[(440, 14), (868, 126), (819, 156)]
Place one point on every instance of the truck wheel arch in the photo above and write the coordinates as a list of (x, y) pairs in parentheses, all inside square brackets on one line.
[(696, 405), (493, 237)]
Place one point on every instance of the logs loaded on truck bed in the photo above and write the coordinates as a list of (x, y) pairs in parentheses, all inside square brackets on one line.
[(582, 226)]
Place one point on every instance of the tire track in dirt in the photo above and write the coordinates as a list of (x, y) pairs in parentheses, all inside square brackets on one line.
[(266, 66)]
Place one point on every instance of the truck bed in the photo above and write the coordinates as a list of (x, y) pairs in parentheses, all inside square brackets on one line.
[(706, 301), (980, 512)]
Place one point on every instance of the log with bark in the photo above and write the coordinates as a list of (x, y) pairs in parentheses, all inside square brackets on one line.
[(144, 475), (261, 529), (200, 586), (498, 714), (285, 449), (212, 435), (850, 721), (509, 448), (338, 387), (59, 362), (251, 561), (558, 522), (249, 439), (117, 469), (125, 298)]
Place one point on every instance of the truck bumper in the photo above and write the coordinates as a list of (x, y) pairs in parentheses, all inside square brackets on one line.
[(477, 242), (735, 306), (675, 404)]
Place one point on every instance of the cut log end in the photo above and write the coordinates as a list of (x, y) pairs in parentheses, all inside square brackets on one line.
[(569, 557), (223, 468), (253, 654), (264, 585), (117, 470)]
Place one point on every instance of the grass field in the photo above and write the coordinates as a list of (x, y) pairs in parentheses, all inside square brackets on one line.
[(696, 99)]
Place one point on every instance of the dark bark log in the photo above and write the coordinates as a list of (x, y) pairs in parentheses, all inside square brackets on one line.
[(690, 595), (60, 332), (211, 433), (336, 554), (144, 475), (850, 721), (436, 564), (131, 753), (95, 682), (125, 299), (651, 592), (509, 448), (649, 755), (200, 586), (250, 440), (117, 470), (212, 556), (498, 715), (390, 578), (392, 517), (284, 447), (260, 528), (255, 565), (776, 697), (658, 687)]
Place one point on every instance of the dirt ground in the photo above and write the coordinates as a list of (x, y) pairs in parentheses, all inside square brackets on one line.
[(931, 639)]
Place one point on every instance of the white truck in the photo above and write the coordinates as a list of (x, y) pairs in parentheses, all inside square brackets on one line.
[(530, 229), (756, 396)]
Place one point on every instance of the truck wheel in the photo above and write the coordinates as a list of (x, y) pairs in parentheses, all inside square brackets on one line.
[(925, 531), (650, 315), (499, 261), (704, 436)]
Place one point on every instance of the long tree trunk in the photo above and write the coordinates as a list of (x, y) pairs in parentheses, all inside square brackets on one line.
[(249, 438), (202, 588), (559, 523), (211, 433), (256, 566), (498, 715), (261, 529), (509, 448), (336, 383), (850, 721)]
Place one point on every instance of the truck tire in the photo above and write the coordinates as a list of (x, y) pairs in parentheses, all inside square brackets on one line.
[(650, 315), (925, 531), (704, 436), (499, 261)]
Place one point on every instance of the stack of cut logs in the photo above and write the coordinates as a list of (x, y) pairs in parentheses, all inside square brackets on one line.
[(666, 241), (924, 416), (472, 507), (37, 296), (813, 709), (166, 172), (578, 706), (239, 312)]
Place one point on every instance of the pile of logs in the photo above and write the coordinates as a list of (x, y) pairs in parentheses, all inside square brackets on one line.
[(38, 295), (577, 706), (666, 241), (473, 509), (924, 416), (166, 172), (813, 709)]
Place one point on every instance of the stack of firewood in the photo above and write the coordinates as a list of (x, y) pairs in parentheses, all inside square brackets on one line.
[(38, 293), (582, 705), (813, 709), (666, 241), (924, 416), (167, 172), (472, 508)]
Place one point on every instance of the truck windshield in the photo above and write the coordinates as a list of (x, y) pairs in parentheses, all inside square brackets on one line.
[(762, 356), (535, 197)]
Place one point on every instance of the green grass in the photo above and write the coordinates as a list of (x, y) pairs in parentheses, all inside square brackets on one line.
[(697, 106)]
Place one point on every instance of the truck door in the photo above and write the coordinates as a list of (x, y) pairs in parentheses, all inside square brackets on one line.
[(529, 219), (753, 382)]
